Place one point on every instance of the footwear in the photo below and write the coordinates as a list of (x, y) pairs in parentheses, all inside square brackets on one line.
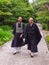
[(19, 50), (16, 50), (14, 53), (32, 54)]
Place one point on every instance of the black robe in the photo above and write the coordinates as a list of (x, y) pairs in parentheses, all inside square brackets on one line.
[(17, 41), (33, 36)]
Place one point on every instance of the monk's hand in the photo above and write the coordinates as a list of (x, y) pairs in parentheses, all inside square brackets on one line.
[(24, 40), (21, 35)]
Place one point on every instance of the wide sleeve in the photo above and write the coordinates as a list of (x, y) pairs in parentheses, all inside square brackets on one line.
[(26, 31), (23, 27), (38, 34), (14, 29)]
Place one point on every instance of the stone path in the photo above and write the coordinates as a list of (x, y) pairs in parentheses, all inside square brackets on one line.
[(41, 58)]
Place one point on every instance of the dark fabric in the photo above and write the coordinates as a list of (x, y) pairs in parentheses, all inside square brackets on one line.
[(33, 36), (19, 24), (17, 41)]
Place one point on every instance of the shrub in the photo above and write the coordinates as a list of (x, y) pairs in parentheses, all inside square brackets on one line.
[(44, 26), (4, 36), (47, 39), (6, 27)]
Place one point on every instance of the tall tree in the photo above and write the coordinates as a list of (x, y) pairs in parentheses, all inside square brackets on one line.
[(10, 10)]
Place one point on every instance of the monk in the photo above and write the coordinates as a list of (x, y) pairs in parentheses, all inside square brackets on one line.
[(33, 36), (18, 36)]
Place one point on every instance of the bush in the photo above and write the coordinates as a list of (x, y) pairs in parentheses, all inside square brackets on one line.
[(47, 39), (4, 36), (44, 26), (6, 27)]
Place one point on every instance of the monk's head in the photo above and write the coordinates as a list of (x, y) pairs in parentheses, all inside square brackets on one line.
[(19, 19), (31, 20)]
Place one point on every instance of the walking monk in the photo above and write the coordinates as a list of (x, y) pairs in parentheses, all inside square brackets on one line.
[(18, 36), (33, 36)]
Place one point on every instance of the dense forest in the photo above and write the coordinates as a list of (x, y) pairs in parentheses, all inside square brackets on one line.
[(10, 10)]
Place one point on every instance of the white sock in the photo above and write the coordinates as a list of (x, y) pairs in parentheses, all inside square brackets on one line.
[(15, 49), (19, 49), (32, 54)]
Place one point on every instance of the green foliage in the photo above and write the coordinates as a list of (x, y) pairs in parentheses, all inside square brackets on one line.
[(10, 10), (43, 16), (44, 26), (42, 1), (6, 28), (41, 12), (47, 38), (5, 35)]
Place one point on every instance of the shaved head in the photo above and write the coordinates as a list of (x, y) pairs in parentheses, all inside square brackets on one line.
[(19, 19), (31, 20)]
